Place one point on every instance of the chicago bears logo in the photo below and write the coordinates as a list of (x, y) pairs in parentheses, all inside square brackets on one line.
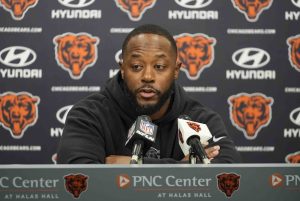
[(18, 8), (135, 8), (294, 51), (228, 183), (252, 8), (194, 126), (76, 52), (195, 52), (18, 111), (250, 112), (293, 157), (76, 184)]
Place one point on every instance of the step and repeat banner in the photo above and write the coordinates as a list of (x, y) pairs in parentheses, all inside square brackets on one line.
[(240, 57)]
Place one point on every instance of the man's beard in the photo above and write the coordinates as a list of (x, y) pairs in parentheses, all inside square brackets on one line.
[(151, 108)]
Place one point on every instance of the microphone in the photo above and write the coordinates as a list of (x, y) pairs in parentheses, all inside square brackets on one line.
[(141, 136), (191, 136)]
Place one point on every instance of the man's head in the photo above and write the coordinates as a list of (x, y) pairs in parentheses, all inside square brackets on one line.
[(149, 29), (149, 67)]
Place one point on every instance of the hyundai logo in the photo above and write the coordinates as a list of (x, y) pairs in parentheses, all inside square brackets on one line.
[(296, 3), (62, 113), (193, 4), (118, 56), (295, 116), (17, 56), (251, 58), (76, 3)]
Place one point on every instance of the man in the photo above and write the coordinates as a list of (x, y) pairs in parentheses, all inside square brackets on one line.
[(96, 128)]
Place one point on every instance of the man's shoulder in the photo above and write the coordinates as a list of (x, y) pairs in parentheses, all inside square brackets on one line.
[(91, 100)]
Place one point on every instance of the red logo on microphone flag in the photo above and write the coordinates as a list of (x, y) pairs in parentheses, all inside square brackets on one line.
[(194, 126)]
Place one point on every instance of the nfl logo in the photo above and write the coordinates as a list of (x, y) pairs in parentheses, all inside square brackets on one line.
[(146, 127)]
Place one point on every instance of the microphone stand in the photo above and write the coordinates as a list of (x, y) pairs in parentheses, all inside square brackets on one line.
[(199, 151), (137, 151), (192, 157)]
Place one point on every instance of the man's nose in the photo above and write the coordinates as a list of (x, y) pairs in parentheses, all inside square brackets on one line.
[(148, 74)]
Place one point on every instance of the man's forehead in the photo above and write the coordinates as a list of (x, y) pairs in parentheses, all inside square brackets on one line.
[(137, 54), (147, 42), (148, 39)]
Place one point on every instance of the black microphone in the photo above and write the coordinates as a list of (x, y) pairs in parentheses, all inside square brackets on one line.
[(141, 136), (189, 137)]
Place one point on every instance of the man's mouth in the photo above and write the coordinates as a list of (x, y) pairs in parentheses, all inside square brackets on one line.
[(147, 93)]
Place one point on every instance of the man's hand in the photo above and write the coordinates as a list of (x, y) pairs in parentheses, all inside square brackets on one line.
[(115, 159), (210, 151)]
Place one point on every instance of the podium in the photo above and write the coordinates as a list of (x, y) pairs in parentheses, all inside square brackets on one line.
[(247, 182)]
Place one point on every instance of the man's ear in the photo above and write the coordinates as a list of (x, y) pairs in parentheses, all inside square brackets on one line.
[(121, 68), (177, 69)]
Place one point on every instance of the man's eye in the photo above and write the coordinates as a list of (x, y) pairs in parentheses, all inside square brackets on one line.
[(136, 67), (159, 66)]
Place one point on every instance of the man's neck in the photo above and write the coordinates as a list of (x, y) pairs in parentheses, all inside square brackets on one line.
[(162, 111)]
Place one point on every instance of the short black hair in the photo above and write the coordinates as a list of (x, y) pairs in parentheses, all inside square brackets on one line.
[(149, 29)]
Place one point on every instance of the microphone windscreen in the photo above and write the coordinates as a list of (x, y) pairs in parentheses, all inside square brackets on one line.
[(144, 130), (188, 129)]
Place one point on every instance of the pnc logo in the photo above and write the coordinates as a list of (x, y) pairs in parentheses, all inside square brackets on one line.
[(249, 113), (135, 8), (76, 3), (18, 111), (195, 52), (18, 8), (75, 53), (123, 181), (295, 116), (296, 3), (62, 113), (17, 56), (251, 58), (293, 157), (252, 8), (276, 180), (193, 4), (228, 183), (294, 49)]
